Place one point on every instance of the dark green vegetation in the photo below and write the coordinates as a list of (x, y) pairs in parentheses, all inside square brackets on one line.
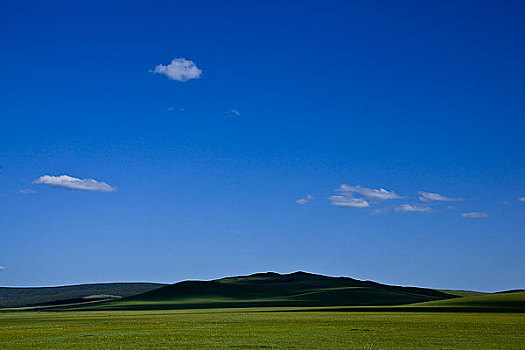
[(16, 297), (260, 329), (462, 293), (273, 290), (299, 289)]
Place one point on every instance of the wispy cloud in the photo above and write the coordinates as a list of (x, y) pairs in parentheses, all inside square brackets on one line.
[(348, 202), (368, 193), (522, 199), (2, 268), (179, 69), (407, 208), (380, 211), (74, 183), (26, 191), (360, 197), (233, 111), (303, 201), (435, 197), (475, 214)]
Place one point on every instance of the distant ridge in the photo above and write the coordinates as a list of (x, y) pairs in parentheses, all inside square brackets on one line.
[(511, 291), (41, 296), (274, 289)]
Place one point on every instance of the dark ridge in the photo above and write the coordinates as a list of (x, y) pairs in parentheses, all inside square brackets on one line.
[(20, 296), (274, 289), (262, 274)]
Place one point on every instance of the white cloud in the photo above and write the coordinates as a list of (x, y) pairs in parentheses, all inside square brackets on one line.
[(348, 202), (179, 69), (236, 112), (475, 214), (522, 199), (368, 193), (380, 211), (303, 201), (74, 183), (26, 191), (431, 197), (407, 208), (2, 268), (346, 197)]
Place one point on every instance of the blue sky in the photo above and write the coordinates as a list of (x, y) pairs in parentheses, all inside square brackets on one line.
[(192, 169)]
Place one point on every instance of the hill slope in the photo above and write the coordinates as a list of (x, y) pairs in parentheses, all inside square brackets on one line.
[(504, 302), (273, 289), (17, 297)]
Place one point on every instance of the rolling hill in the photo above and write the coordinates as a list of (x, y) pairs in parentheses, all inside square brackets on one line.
[(43, 296), (503, 302), (272, 289)]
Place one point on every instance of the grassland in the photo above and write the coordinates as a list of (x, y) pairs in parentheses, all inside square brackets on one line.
[(498, 302), (274, 328), (272, 311)]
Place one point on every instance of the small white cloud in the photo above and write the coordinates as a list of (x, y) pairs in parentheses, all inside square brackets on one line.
[(26, 191), (435, 197), (475, 214), (368, 193), (179, 69), (2, 268), (380, 211), (407, 208), (74, 183), (348, 202), (303, 201), (522, 199), (233, 111)]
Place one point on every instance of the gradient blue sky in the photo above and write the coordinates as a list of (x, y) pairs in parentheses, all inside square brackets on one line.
[(407, 96)]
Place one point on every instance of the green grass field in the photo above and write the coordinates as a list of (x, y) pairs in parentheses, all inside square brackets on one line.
[(260, 329), (296, 311)]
